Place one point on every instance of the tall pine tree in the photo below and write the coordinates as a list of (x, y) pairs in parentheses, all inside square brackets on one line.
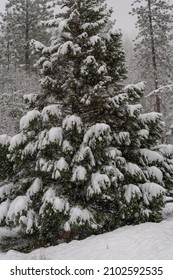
[(83, 158), (153, 43)]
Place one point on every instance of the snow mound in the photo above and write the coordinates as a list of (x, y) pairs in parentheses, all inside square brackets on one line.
[(148, 241)]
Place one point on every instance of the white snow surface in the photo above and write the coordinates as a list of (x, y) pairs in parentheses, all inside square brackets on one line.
[(148, 241)]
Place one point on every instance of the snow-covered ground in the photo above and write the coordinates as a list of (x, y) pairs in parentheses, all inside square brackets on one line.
[(145, 241)]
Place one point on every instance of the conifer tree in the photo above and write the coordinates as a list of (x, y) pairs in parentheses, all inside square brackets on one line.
[(22, 22), (153, 43), (83, 158)]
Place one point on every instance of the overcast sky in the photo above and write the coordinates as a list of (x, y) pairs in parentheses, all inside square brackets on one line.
[(124, 21)]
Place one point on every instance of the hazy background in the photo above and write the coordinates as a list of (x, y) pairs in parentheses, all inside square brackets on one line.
[(124, 21), (121, 9)]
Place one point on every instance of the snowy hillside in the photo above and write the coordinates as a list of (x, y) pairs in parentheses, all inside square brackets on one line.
[(144, 241)]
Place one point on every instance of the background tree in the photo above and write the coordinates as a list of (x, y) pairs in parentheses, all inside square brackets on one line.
[(134, 75), (14, 85), (21, 22), (153, 43)]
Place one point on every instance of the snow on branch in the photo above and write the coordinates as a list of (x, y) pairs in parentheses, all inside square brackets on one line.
[(4, 206), (4, 139), (139, 86), (131, 191), (150, 117), (29, 118), (99, 131), (151, 190), (71, 121), (18, 206), (80, 216), (16, 141), (51, 110), (151, 156), (5, 190), (36, 45), (158, 90), (98, 183)]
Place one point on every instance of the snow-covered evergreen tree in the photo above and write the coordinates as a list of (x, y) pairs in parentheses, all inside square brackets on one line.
[(83, 158)]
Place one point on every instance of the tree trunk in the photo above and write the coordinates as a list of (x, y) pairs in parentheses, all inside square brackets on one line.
[(154, 62), (26, 38), (8, 46)]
